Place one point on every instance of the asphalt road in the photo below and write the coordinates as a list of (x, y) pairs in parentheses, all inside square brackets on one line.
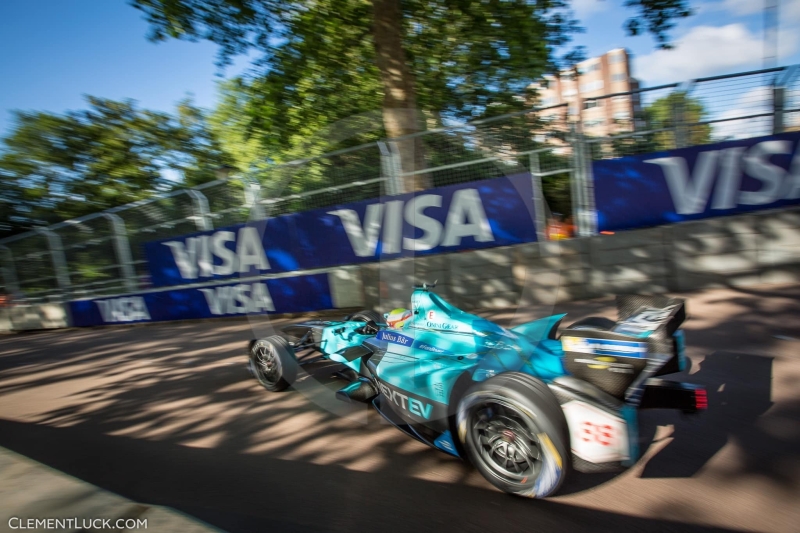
[(167, 415)]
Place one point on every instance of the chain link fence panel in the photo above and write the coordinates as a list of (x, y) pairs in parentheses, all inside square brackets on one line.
[(103, 254)]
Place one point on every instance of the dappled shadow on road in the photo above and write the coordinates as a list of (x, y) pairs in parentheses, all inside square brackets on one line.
[(168, 415), (252, 493)]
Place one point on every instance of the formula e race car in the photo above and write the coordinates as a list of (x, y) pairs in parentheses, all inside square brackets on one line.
[(522, 404)]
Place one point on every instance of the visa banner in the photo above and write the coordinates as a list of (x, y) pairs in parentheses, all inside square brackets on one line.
[(698, 182), (282, 295), (482, 214)]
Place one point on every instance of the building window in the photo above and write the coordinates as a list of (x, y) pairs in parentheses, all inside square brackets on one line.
[(622, 115), (593, 123), (592, 86), (589, 104), (619, 76), (569, 92), (586, 69), (617, 58)]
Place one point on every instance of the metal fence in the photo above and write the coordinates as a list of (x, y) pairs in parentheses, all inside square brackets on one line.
[(103, 254)]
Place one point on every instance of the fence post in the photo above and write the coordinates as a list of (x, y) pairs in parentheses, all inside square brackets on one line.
[(8, 270), (582, 190), (122, 248), (201, 211), (778, 100), (682, 132), (391, 168), (538, 198), (577, 174), (779, 85), (252, 197), (59, 261), (589, 213)]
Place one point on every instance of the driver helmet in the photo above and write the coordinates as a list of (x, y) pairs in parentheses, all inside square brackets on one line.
[(397, 318)]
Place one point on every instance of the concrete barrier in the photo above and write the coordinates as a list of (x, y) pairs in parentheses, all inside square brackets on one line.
[(33, 317), (5, 320), (735, 251)]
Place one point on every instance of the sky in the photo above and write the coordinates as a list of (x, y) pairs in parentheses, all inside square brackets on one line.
[(56, 51)]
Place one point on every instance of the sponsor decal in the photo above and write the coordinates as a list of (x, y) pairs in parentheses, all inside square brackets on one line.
[(441, 325), (395, 338), (646, 320), (237, 299), (406, 402), (281, 295), (445, 442), (552, 468), (484, 214), (206, 256), (698, 182), (604, 347), (596, 435), (691, 193), (602, 434), (128, 309), (431, 315), (432, 349), (607, 363), (466, 217)]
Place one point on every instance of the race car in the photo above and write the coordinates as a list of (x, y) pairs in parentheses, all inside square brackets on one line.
[(524, 405)]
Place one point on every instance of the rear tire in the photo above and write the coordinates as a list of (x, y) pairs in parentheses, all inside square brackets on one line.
[(515, 434), (273, 363), (593, 322)]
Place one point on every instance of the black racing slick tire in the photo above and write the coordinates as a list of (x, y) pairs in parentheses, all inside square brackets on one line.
[(273, 363), (515, 433), (366, 316), (593, 322)]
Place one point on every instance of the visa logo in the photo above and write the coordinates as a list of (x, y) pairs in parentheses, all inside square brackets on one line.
[(465, 217), (128, 309), (206, 256), (691, 192)]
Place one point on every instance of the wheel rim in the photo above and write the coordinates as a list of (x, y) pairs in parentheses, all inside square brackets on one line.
[(266, 363), (505, 443)]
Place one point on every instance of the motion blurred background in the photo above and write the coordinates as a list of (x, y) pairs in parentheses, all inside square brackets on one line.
[(655, 140)]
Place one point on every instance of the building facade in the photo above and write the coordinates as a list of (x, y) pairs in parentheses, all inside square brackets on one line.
[(595, 94)]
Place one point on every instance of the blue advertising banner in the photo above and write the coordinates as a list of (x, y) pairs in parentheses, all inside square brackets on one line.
[(697, 182), (283, 295), (482, 214)]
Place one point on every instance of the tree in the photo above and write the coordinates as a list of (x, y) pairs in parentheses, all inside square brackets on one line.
[(55, 167), (670, 122), (413, 59), (680, 114)]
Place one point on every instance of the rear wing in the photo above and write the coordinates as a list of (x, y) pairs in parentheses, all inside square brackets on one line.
[(644, 342), (648, 316)]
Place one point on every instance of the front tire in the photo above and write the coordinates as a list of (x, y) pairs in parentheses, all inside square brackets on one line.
[(273, 363), (515, 434), (366, 315)]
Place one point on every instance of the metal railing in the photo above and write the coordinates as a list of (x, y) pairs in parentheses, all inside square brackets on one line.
[(103, 253)]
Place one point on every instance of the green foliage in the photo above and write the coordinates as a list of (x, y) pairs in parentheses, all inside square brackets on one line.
[(670, 122), (657, 17), (315, 64), (678, 110), (55, 167)]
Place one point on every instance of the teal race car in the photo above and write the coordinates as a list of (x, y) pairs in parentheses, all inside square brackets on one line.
[(524, 405)]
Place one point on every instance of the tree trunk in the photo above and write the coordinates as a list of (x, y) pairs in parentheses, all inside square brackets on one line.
[(400, 114)]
